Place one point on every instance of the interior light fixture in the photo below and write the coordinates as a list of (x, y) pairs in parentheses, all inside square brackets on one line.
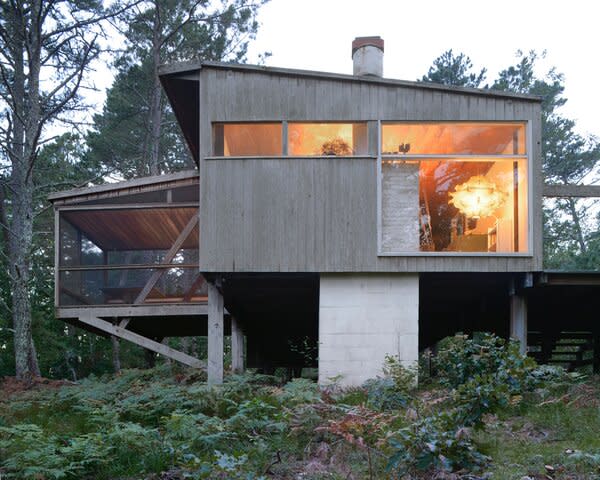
[(477, 197)]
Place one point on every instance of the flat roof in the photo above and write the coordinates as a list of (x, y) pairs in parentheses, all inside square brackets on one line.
[(189, 67)]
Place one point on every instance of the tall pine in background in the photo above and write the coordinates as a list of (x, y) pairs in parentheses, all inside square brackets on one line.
[(136, 134), (46, 49)]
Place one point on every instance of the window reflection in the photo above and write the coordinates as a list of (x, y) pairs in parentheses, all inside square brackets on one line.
[(328, 139), (453, 138), (475, 201), (247, 139)]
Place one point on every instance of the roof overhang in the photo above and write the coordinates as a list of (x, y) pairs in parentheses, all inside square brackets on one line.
[(183, 91), (127, 187), (191, 69)]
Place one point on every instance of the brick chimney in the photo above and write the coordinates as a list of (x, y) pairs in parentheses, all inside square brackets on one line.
[(367, 55)]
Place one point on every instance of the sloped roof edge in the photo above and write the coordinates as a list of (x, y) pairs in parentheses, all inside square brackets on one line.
[(125, 184), (189, 67)]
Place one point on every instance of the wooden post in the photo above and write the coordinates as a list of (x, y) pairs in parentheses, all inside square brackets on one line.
[(518, 320), (215, 335), (57, 258), (237, 347)]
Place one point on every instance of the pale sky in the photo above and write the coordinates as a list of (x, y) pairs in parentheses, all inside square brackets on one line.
[(317, 35)]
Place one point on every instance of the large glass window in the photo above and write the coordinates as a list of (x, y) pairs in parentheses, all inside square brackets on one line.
[(453, 138), (247, 139), (336, 139), (454, 187)]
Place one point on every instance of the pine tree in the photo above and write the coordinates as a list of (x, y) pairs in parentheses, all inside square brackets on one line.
[(46, 49), (137, 133)]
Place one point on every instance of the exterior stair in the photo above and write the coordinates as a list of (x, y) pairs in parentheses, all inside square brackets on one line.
[(571, 349)]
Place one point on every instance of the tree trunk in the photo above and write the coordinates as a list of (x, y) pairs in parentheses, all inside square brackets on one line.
[(25, 119), (577, 225), (155, 113)]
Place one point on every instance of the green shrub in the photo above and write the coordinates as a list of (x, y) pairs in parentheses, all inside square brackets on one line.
[(187, 431), (299, 390), (404, 378), (227, 467), (383, 394), (489, 375), (394, 390), (485, 375), (29, 452), (437, 442), (255, 417), (461, 358)]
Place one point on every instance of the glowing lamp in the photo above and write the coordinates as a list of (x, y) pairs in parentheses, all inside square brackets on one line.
[(477, 197)]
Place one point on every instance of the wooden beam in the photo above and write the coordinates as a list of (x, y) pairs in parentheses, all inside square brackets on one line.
[(109, 311), (571, 191), (126, 206), (133, 266), (215, 335), (237, 347), (169, 256), (140, 340), (137, 185)]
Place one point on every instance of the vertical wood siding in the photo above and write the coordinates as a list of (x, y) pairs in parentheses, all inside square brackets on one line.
[(320, 214)]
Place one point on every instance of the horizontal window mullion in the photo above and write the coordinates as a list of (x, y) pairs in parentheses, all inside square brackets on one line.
[(452, 157)]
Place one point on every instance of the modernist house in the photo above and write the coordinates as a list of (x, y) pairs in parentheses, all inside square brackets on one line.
[(365, 215)]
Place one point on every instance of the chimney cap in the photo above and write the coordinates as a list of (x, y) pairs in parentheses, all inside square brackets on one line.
[(359, 42)]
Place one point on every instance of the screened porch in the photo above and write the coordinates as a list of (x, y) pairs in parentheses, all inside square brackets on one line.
[(129, 244)]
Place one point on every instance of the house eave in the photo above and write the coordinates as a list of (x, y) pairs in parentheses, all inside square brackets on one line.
[(191, 69), (140, 184)]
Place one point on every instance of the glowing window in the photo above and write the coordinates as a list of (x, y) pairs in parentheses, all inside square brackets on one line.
[(336, 139), (247, 139), (454, 187), (453, 138)]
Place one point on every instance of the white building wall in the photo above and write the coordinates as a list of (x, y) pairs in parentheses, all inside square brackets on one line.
[(363, 318)]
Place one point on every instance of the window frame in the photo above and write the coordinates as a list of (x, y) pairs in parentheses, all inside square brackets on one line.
[(283, 125), (527, 157), (285, 139)]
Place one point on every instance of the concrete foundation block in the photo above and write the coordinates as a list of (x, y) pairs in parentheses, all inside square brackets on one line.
[(363, 318)]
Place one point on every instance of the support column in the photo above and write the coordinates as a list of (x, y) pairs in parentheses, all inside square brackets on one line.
[(363, 318), (215, 335), (237, 347), (518, 320)]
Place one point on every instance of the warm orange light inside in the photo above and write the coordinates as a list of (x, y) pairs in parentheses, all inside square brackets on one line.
[(463, 138), (247, 139), (340, 139), (477, 197)]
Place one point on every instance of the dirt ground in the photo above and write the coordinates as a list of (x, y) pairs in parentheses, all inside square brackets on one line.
[(10, 386)]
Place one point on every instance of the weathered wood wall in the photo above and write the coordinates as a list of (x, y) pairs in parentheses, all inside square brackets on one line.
[(320, 214)]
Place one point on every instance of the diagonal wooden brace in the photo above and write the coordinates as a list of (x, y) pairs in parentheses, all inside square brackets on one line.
[(170, 255), (140, 340)]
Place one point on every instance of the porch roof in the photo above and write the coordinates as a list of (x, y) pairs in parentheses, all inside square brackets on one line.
[(126, 187)]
